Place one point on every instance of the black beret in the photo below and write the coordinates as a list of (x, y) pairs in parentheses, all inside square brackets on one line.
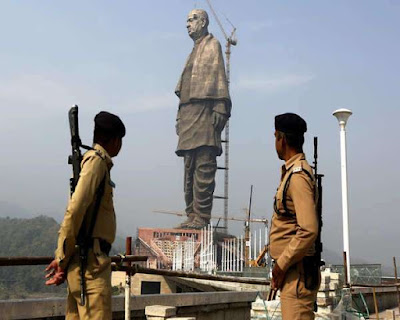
[(290, 123), (109, 123)]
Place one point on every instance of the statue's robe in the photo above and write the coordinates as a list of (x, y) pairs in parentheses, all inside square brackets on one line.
[(202, 89)]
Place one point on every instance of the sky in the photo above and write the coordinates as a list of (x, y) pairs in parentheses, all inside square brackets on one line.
[(308, 57)]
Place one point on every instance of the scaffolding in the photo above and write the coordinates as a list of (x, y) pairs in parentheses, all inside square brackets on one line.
[(367, 274)]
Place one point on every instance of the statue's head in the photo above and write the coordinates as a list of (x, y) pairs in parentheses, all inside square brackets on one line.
[(197, 23)]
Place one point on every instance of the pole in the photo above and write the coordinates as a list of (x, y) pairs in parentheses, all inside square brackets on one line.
[(234, 254), (226, 180), (202, 249), (238, 254), (342, 115), (255, 245), (128, 251), (226, 256), (343, 160), (375, 304), (247, 233), (229, 255), (395, 277), (346, 280), (223, 257), (209, 249), (241, 253), (193, 254)]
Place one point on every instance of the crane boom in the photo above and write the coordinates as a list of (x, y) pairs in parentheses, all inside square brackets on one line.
[(217, 19), (183, 214)]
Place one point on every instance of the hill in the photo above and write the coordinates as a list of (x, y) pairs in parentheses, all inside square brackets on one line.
[(27, 237), (31, 237)]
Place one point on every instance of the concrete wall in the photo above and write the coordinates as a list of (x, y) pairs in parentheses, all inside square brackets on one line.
[(386, 298), (204, 305), (166, 286)]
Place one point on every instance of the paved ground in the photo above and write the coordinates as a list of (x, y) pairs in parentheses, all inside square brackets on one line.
[(383, 315)]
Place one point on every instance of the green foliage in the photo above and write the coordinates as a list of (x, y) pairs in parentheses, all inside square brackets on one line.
[(27, 237)]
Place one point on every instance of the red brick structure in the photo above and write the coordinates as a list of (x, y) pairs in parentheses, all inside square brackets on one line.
[(158, 244)]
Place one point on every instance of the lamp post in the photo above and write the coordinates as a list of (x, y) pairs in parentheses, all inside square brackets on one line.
[(343, 115)]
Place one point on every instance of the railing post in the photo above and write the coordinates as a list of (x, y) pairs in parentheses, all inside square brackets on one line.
[(128, 251), (396, 279)]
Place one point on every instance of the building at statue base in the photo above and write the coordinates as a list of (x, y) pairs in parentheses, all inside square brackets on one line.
[(168, 247)]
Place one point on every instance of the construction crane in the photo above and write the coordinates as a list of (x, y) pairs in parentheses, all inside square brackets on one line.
[(247, 230), (257, 262), (230, 41), (183, 214)]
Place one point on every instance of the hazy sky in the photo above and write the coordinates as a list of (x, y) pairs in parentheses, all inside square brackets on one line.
[(308, 57)]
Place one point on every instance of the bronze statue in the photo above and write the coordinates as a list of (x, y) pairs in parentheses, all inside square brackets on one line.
[(204, 108)]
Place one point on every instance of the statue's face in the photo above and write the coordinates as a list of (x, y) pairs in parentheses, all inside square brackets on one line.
[(195, 25)]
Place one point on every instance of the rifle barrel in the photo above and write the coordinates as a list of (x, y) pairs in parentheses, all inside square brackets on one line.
[(316, 155)]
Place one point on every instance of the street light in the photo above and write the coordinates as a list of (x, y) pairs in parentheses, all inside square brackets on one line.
[(343, 115)]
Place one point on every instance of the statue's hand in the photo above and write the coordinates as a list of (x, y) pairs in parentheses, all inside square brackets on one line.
[(219, 121), (177, 127)]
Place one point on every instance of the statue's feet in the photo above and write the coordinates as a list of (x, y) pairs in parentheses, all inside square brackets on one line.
[(184, 224), (198, 223)]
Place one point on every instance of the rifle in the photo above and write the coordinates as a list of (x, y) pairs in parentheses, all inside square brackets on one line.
[(75, 160), (312, 264), (318, 179)]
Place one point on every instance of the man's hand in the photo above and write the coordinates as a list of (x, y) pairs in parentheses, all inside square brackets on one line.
[(277, 277), (56, 274), (219, 121)]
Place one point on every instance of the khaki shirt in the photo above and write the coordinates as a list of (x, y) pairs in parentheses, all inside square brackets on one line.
[(293, 237), (96, 164)]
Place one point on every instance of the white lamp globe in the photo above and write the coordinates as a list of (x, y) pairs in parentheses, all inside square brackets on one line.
[(342, 115)]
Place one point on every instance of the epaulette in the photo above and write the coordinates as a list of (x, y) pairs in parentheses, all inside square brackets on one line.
[(297, 169), (300, 168)]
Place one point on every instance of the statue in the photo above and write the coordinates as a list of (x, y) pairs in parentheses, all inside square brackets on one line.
[(204, 108)]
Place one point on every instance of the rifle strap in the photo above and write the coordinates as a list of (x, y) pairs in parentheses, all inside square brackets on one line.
[(84, 238), (286, 212), (99, 196)]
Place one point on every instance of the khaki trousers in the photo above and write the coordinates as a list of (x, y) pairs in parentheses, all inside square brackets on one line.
[(98, 288), (297, 302)]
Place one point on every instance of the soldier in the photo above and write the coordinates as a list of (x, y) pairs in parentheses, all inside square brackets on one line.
[(294, 226), (96, 165), (204, 108)]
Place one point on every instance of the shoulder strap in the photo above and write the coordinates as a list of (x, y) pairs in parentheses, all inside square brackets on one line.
[(284, 193), (99, 196), (286, 187), (84, 237)]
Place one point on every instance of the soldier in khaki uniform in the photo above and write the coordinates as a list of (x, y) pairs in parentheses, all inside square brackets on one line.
[(95, 171), (294, 226)]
